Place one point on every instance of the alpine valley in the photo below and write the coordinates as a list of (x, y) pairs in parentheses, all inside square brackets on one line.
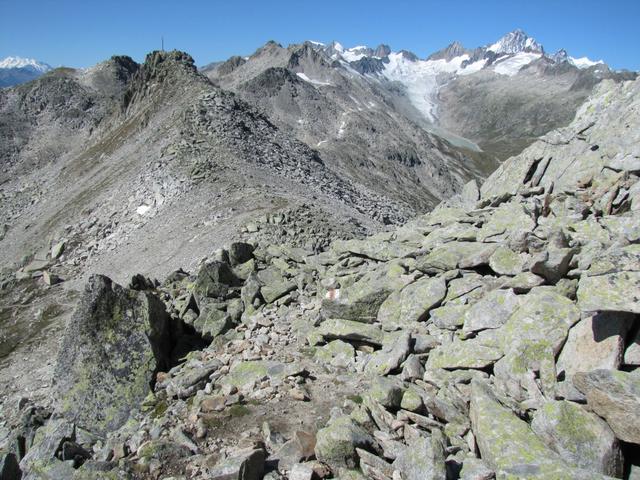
[(321, 262)]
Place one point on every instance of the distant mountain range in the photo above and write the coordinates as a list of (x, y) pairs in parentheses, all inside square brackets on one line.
[(15, 70)]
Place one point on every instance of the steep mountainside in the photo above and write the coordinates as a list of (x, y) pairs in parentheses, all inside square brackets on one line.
[(494, 337), (495, 99)]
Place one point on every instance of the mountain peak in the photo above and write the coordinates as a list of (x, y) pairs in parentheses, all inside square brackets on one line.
[(30, 63), (516, 41)]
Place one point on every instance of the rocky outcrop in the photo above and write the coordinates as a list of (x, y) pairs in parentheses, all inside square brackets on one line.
[(114, 344)]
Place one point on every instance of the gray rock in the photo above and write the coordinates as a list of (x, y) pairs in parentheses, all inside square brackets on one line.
[(214, 280), (299, 448), (552, 264), (391, 356), (240, 252), (612, 292), (336, 443), (471, 353), (509, 446), (475, 469), (423, 458), (505, 261), (580, 437), (386, 391), (350, 330), (595, 342), (492, 311), (632, 352), (274, 284), (413, 303), (113, 345), (246, 464), (361, 301), (615, 396), (449, 317)]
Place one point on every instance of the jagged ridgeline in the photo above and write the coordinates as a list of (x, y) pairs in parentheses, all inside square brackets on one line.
[(495, 337)]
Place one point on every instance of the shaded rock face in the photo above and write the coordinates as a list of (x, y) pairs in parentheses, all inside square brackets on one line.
[(115, 342)]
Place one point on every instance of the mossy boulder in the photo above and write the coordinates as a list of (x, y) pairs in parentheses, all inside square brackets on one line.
[(113, 345)]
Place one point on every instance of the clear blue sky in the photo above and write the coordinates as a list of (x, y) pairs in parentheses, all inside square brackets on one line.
[(81, 33)]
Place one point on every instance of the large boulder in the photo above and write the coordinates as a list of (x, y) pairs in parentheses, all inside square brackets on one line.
[(580, 437), (336, 443), (115, 342), (413, 303), (361, 300), (423, 458), (595, 342), (509, 446), (615, 396)]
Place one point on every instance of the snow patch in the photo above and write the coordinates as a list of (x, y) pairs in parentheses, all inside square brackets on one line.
[(512, 65), (143, 209), (312, 80)]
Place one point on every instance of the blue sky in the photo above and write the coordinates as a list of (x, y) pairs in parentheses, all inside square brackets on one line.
[(82, 33)]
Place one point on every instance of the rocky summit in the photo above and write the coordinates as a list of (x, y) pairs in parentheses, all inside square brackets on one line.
[(320, 330)]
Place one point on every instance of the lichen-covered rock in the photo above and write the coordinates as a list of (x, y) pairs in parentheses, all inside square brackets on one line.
[(361, 300), (580, 437), (336, 353), (492, 311), (552, 264), (472, 353), (449, 317), (423, 458), (336, 443), (505, 261), (391, 356), (509, 446), (454, 255), (386, 391), (245, 464), (377, 249), (214, 280), (507, 218), (115, 342), (412, 303), (350, 330), (615, 396), (274, 284), (610, 292)]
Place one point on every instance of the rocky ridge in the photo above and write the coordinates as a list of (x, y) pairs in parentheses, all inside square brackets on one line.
[(495, 337)]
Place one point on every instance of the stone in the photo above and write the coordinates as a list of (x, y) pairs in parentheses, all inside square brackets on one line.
[(509, 446), (240, 252), (58, 249), (492, 311), (299, 448), (615, 396), (449, 317), (36, 266), (50, 278), (245, 464), (595, 342), (523, 282), (507, 218), (505, 261), (552, 264), (580, 437), (212, 322), (412, 368), (113, 345), (391, 356), (274, 284), (413, 303), (214, 280), (301, 471), (632, 352), (361, 300), (423, 458), (336, 443), (411, 401), (249, 372), (336, 353), (470, 353), (475, 469), (48, 439), (619, 291), (456, 255), (350, 330), (373, 248), (386, 391)]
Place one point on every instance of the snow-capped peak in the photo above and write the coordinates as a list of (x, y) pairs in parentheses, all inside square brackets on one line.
[(584, 62), (516, 42), (19, 62)]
